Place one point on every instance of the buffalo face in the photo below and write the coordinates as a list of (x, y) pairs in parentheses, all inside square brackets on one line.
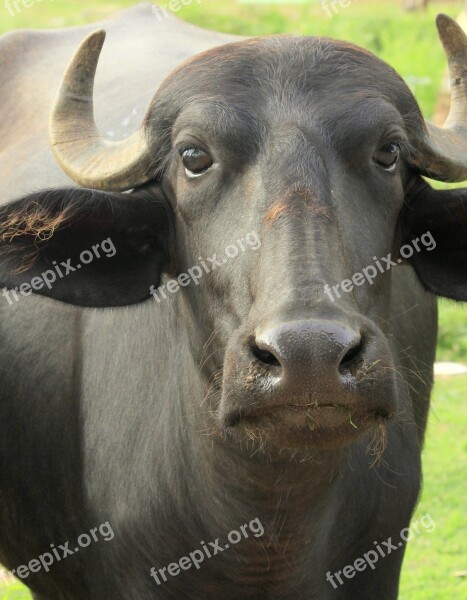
[(292, 149)]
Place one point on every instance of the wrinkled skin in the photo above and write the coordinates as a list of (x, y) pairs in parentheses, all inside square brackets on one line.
[(173, 420)]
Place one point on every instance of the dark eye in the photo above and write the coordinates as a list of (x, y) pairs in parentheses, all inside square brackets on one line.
[(196, 161), (388, 155)]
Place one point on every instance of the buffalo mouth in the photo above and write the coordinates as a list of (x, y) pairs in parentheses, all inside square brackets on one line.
[(313, 394), (307, 425)]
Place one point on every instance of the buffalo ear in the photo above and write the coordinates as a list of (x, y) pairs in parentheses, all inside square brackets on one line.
[(442, 214), (84, 247)]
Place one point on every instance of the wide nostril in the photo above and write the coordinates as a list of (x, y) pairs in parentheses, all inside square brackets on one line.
[(351, 359), (300, 348), (263, 355)]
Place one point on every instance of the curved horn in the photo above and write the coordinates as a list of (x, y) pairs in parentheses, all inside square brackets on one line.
[(442, 151), (85, 156)]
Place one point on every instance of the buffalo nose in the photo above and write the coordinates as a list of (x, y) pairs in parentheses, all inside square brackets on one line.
[(312, 351)]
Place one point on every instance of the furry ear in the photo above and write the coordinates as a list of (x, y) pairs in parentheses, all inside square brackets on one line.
[(440, 216), (84, 247)]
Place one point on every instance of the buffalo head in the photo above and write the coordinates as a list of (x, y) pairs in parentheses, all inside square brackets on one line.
[(315, 149)]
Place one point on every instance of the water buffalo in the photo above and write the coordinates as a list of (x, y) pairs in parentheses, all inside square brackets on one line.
[(248, 423)]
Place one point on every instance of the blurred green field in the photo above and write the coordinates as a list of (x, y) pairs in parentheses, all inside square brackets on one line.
[(409, 42), (433, 560)]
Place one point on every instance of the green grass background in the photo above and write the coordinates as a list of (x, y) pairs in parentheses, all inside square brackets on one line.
[(409, 42)]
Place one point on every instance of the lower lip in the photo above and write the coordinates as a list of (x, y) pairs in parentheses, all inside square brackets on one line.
[(323, 427), (334, 414)]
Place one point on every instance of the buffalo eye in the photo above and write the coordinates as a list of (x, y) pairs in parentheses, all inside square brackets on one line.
[(387, 156), (196, 162)]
